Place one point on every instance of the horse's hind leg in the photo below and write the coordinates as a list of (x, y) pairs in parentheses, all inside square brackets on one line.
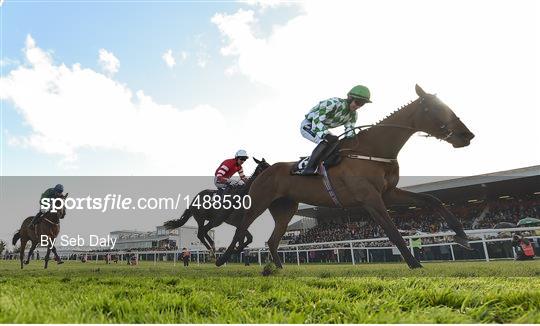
[(21, 253), (375, 207), (282, 210), (32, 248), (400, 197)]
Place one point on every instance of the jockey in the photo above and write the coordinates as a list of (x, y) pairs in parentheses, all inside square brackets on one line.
[(228, 168), (50, 193), (331, 113)]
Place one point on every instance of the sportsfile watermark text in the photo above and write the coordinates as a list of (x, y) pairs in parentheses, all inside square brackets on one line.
[(119, 202)]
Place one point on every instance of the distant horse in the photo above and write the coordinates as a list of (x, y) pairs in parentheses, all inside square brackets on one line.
[(216, 217), (48, 225), (367, 176)]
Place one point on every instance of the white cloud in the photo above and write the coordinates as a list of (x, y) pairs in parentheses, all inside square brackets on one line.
[(73, 108), (202, 57), (169, 59), (453, 48), (109, 63), (183, 56), (265, 4), (6, 62)]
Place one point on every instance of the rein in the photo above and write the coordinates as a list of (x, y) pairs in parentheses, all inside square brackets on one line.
[(50, 222)]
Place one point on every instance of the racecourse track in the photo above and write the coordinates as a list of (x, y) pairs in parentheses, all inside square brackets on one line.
[(457, 292)]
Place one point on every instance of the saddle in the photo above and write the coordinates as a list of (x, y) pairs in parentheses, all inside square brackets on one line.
[(331, 160)]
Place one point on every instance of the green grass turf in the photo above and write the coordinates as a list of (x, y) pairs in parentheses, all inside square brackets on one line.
[(464, 292)]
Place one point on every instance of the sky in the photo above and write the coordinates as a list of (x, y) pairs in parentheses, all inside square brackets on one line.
[(172, 88)]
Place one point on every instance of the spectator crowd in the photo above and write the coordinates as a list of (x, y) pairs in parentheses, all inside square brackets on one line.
[(425, 221)]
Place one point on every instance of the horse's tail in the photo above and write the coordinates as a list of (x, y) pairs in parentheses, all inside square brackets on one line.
[(175, 224), (16, 237)]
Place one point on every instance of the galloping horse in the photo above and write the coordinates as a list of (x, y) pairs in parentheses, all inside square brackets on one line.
[(216, 217), (367, 176), (49, 225)]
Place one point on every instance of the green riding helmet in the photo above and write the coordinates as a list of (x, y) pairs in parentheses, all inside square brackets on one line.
[(360, 92)]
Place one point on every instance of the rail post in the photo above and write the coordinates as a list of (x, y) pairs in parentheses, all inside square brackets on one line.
[(485, 246), (352, 254), (297, 256), (367, 255), (452, 252)]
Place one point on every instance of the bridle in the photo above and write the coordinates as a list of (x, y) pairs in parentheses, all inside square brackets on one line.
[(444, 127)]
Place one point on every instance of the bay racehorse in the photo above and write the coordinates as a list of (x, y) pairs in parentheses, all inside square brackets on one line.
[(367, 176), (49, 226), (216, 217)]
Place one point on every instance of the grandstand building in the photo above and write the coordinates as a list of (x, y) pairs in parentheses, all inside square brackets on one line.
[(478, 201), (160, 239)]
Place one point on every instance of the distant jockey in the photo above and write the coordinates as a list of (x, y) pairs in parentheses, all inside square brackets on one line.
[(50, 193), (331, 113), (228, 168)]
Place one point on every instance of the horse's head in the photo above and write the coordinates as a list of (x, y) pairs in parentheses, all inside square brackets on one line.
[(62, 212), (438, 120), (261, 166)]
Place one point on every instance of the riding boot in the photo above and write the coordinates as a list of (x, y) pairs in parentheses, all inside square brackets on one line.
[(35, 219), (315, 158)]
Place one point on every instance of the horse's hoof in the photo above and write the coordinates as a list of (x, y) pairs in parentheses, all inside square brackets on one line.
[(26, 262), (220, 261), (59, 262), (463, 242)]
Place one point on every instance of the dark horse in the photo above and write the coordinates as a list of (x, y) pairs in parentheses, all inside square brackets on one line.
[(48, 225), (216, 217), (362, 178)]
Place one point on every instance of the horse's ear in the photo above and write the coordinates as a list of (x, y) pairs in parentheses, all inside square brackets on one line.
[(67, 194), (419, 91), (256, 160)]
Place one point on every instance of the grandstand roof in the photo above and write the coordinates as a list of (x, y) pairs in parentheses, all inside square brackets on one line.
[(510, 183), (530, 171)]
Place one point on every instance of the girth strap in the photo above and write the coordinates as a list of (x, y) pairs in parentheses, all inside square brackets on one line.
[(371, 158), (328, 185)]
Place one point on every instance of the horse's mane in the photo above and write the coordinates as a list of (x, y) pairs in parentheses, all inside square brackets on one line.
[(393, 114)]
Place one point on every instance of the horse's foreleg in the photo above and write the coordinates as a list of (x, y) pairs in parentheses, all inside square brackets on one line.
[(47, 255), (32, 248), (56, 256), (239, 235), (247, 240), (21, 252), (403, 197), (375, 207)]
